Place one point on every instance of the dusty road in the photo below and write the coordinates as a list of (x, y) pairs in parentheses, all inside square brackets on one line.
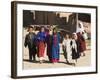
[(82, 61)]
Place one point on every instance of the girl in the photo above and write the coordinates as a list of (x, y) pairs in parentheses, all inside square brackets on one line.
[(55, 46), (67, 48), (75, 48), (81, 38), (41, 36), (82, 42)]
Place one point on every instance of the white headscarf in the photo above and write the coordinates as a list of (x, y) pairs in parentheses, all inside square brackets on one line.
[(74, 45), (80, 27), (75, 35)]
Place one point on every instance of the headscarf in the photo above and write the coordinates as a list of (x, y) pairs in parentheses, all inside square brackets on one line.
[(80, 27), (74, 45)]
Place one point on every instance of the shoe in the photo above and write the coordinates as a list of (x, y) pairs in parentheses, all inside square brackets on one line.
[(74, 64), (41, 62), (67, 62), (83, 54), (30, 60)]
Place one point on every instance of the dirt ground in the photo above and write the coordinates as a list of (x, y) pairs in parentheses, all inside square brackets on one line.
[(82, 61)]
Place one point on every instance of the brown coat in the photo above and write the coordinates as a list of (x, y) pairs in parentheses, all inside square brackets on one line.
[(82, 46)]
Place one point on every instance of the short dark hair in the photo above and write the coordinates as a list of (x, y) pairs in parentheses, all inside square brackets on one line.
[(29, 27)]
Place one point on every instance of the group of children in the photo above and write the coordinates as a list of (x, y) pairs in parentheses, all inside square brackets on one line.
[(73, 46)]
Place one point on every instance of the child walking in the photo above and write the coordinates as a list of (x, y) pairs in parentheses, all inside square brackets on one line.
[(55, 46), (41, 36), (30, 41), (75, 48), (67, 48)]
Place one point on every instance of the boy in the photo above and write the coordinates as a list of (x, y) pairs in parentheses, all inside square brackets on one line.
[(30, 41)]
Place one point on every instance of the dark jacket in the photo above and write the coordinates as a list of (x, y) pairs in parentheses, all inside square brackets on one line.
[(30, 40)]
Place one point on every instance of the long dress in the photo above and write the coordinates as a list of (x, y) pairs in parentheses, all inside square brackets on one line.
[(41, 36), (75, 49), (67, 51), (55, 47), (49, 46), (82, 46)]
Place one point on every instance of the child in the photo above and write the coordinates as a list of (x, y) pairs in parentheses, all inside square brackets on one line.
[(55, 46), (49, 44), (81, 39), (30, 42), (41, 37), (75, 48), (67, 48)]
